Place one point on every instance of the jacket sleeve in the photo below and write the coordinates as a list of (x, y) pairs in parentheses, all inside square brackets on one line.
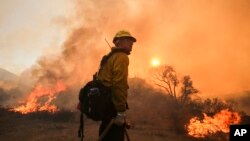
[(119, 83)]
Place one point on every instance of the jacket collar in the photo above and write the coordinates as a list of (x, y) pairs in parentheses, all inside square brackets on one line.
[(118, 49)]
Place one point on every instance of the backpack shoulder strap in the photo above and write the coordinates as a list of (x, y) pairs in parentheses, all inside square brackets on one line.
[(81, 127), (105, 60), (113, 51)]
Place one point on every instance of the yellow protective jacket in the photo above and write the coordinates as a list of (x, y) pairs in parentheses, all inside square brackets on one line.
[(114, 74)]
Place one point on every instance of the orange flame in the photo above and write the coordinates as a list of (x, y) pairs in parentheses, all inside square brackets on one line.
[(32, 104), (210, 125)]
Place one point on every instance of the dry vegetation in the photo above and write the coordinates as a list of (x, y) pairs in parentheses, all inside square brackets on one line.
[(154, 115)]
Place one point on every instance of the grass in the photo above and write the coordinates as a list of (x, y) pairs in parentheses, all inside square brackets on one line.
[(153, 115), (16, 127)]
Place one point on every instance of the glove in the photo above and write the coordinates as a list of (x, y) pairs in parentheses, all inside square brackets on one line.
[(119, 120)]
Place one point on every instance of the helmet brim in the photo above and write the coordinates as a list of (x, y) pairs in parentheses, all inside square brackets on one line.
[(129, 37)]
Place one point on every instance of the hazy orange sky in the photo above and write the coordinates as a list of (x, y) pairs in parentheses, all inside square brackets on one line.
[(208, 39), (28, 29)]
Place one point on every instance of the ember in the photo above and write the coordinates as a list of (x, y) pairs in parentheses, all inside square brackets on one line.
[(210, 125), (33, 104)]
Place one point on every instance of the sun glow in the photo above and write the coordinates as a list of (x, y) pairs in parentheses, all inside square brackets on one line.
[(155, 62)]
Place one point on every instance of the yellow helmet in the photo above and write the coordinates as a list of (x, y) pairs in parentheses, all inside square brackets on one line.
[(123, 34)]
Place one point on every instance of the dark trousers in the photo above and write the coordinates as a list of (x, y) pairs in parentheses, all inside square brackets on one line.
[(116, 133)]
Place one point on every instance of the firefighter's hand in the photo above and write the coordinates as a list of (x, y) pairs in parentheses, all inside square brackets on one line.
[(120, 119)]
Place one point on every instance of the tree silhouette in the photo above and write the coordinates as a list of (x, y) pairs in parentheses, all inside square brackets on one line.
[(187, 89), (167, 79)]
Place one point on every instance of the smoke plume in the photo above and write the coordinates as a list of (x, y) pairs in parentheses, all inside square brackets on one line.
[(207, 40)]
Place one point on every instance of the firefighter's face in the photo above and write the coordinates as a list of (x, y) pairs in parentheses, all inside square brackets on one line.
[(126, 43)]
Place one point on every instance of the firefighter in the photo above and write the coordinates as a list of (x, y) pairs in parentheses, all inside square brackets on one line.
[(114, 74)]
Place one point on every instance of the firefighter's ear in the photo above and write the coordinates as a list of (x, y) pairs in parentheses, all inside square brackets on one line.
[(117, 42)]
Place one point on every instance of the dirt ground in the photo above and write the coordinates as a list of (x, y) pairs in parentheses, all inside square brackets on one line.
[(63, 126)]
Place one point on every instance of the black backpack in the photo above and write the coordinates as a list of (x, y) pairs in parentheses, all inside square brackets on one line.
[(95, 99)]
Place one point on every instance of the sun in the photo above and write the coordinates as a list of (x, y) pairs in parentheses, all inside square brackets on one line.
[(155, 62)]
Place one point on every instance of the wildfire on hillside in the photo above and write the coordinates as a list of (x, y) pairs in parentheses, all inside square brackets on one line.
[(220, 122), (41, 98)]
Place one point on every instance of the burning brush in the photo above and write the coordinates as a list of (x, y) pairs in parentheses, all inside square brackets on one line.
[(220, 122), (41, 92)]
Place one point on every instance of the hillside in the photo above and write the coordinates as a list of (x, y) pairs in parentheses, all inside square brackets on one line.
[(7, 76)]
